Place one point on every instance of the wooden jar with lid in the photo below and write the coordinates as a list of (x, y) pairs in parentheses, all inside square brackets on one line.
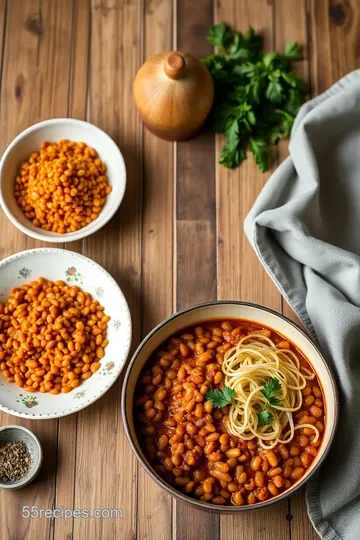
[(174, 93)]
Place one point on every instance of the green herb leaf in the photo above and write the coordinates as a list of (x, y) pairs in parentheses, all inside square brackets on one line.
[(287, 121), (275, 134), (270, 391), (245, 69), (293, 103), (265, 417), (294, 81), (293, 52), (232, 153), (257, 96), (220, 398), (260, 151), (274, 91), (269, 58), (244, 48), (220, 36), (232, 156)]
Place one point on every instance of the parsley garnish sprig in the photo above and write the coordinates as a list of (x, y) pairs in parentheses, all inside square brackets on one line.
[(223, 397), (220, 398), (270, 390), (265, 417), (257, 96)]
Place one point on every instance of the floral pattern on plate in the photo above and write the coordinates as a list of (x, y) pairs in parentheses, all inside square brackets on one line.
[(99, 291), (109, 366), (73, 276), (116, 324), (24, 273), (79, 395), (28, 401)]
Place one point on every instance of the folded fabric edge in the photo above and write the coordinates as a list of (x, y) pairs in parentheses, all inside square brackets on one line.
[(264, 252), (308, 106), (269, 262), (321, 526)]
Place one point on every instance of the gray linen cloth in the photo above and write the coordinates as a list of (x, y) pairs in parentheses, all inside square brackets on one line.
[(305, 228)]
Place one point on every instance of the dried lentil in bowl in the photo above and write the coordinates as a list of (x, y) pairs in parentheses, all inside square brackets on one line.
[(63, 187), (186, 439)]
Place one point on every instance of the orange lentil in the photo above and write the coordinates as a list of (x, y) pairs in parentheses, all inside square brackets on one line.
[(62, 187), (57, 352)]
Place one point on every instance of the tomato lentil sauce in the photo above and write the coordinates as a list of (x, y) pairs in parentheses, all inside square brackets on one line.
[(185, 438)]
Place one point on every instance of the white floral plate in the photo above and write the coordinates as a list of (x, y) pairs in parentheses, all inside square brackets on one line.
[(76, 269)]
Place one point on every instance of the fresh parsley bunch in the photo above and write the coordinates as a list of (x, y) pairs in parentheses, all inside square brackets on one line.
[(256, 95)]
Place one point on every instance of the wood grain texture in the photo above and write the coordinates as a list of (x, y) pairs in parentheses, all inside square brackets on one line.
[(32, 89), (335, 30), (106, 475), (240, 275), (157, 271), (62, 529), (195, 179), (78, 83), (286, 31), (195, 228), (77, 80), (3, 13)]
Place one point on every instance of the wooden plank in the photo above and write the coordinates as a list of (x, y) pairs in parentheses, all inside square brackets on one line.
[(79, 74), (195, 228), (3, 12), (288, 30), (157, 272), (77, 108), (33, 87), (106, 475), (240, 275), (78, 92), (334, 39)]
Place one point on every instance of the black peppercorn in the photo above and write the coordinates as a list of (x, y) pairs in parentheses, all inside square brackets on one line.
[(15, 460)]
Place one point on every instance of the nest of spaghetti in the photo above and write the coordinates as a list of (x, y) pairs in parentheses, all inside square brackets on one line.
[(267, 383)]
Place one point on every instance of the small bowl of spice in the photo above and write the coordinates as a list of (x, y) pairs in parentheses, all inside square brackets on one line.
[(21, 456)]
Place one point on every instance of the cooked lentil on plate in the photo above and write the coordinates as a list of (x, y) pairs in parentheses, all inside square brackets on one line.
[(52, 336), (229, 412)]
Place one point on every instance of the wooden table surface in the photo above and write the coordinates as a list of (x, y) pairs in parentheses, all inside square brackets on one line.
[(177, 240)]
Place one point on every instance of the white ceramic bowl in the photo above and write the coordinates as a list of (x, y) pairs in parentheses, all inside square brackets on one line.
[(25, 435), (54, 130), (229, 310), (74, 269)]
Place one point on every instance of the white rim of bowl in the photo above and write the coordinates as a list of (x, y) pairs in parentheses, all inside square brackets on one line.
[(20, 483), (81, 233), (67, 412), (140, 456)]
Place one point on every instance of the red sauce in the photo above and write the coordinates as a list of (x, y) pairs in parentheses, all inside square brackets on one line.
[(186, 439)]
